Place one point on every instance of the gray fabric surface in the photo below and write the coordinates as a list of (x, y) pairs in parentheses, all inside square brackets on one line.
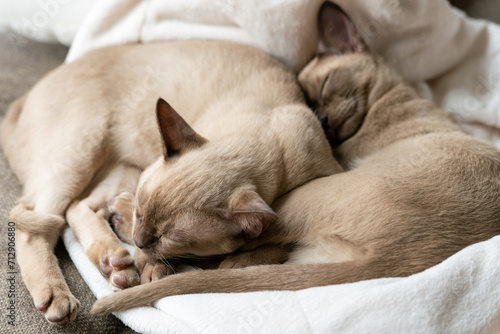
[(23, 63)]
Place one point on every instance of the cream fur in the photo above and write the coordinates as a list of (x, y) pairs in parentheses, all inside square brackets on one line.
[(85, 133), (417, 188)]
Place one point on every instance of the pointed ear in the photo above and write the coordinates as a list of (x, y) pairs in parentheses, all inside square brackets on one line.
[(248, 210), (337, 33), (176, 134)]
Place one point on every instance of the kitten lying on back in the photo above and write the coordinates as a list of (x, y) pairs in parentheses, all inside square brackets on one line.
[(418, 190), (83, 135)]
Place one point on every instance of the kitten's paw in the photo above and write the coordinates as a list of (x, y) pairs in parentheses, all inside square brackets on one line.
[(153, 271), (260, 256), (120, 270), (121, 209), (57, 302), (150, 269), (238, 261)]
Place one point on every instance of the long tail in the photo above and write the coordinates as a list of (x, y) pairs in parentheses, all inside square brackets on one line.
[(258, 278)]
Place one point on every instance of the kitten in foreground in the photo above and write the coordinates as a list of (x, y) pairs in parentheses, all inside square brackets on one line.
[(418, 188), (88, 132)]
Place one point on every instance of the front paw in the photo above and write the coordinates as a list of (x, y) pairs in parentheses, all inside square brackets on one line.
[(120, 270), (121, 210), (241, 260), (151, 270), (266, 254)]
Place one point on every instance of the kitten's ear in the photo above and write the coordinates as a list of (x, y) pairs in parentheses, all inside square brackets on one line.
[(337, 33), (176, 134), (248, 210)]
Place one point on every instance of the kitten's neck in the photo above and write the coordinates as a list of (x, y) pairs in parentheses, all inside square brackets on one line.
[(287, 152)]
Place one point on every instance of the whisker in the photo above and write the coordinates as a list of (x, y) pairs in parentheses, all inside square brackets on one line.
[(197, 257), (165, 261), (351, 92)]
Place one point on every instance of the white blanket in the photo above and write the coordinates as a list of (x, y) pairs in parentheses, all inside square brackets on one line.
[(426, 40), (44, 20), (460, 295)]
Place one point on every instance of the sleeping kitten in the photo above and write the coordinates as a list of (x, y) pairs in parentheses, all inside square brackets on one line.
[(418, 188), (87, 132)]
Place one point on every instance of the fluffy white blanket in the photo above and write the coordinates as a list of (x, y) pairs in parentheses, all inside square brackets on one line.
[(426, 40), (459, 296)]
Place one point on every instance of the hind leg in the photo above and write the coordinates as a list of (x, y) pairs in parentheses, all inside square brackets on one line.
[(39, 218), (54, 171), (38, 228), (44, 279), (88, 218)]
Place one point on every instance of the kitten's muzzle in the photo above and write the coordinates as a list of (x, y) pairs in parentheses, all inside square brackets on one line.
[(138, 244)]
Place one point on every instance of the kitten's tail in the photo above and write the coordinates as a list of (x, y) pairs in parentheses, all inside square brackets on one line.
[(33, 222), (258, 278)]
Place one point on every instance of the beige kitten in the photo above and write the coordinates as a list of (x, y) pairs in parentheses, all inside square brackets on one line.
[(418, 188), (87, 130)]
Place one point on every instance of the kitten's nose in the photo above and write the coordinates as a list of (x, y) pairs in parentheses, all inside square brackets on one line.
[(138, 244)]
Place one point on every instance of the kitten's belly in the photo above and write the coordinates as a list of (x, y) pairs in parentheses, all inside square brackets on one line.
[(327, 250)]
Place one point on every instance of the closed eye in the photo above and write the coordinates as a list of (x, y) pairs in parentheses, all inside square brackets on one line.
[(139, 219), (178, 238), (174, 239), (321, 90)]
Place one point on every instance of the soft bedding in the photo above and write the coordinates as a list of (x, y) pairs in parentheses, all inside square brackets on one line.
[(428, 41)]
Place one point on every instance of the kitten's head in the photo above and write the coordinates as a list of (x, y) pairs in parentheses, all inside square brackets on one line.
[(344, 79), (194, 201)]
